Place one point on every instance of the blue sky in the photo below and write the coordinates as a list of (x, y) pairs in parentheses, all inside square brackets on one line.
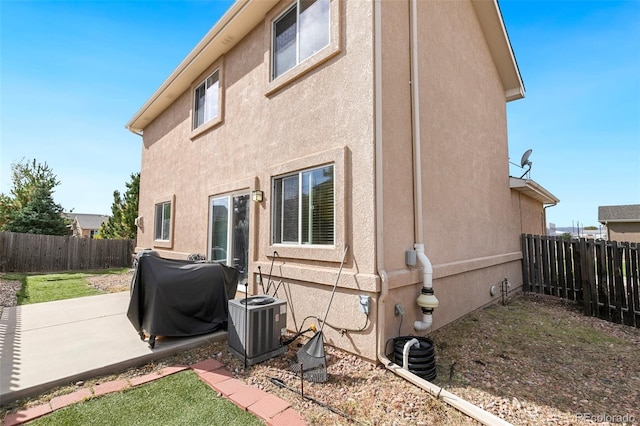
[(72, 73), (580, 62)]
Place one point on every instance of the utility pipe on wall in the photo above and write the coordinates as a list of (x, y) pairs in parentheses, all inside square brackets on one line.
[(415, 125), (427, 300)]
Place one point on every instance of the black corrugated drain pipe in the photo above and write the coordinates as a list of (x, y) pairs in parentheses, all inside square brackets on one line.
[(421, 356)]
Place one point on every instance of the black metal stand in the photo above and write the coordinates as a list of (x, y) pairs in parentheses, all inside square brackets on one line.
[(246, 320)]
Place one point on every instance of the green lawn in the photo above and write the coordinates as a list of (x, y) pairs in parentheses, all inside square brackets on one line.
[(38, 288), (179, 399)]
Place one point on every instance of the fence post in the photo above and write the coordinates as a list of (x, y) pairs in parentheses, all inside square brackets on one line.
[(534, 286), (618, 283), (568, 258), (577, 271), (545, 275), (614, 313), (553, 266), (603, 291), (584, 277), (562, 278), (629, 317), (537, 248), (526, 283), (633, 281), (591, 275)]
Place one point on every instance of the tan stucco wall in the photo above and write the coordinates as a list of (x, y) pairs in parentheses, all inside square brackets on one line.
[(327, 115), (470, 232), (624, 232), (529, 214), (323, 116)]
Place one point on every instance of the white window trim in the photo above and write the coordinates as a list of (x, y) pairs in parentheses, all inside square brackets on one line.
[(218, 67), (203, 84), (336, 9), (165, 243), (328, 253)]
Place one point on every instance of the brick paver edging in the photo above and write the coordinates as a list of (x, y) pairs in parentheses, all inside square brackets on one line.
[(271, 409)]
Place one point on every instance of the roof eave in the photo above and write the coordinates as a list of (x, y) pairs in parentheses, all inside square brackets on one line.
[(233, 26), (605, 221), (533, 190), (495, 32)]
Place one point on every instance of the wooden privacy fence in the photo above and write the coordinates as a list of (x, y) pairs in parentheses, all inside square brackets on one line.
[(50, 253), (602, 276)]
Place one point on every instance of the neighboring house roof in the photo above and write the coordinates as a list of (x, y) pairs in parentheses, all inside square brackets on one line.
[(627, 213), (88, 221), (244, 15), (533, 190)]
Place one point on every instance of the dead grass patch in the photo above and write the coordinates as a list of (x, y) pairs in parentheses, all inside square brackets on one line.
[(539, 359)]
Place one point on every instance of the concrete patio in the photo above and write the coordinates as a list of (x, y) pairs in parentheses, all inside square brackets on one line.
[(50, 344)]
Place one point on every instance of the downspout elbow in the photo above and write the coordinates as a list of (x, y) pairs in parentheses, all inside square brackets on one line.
[(427, 299)]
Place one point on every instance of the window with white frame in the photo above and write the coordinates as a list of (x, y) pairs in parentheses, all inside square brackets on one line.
[(300, 32), (163, 221), (303, 207), (206, 100)]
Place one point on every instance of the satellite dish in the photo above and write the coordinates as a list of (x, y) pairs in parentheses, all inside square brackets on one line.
[(525, 158), (525, 162)]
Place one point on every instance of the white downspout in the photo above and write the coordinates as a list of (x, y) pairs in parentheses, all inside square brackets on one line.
[(415, 127), (460, 404), (427, 300)]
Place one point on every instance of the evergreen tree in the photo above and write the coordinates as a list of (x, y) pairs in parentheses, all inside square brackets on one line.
[(32, 194), (40, 215), (6, 207), (124, 210)]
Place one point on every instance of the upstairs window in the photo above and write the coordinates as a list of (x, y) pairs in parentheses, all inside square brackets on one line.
[(299, 33), (206, 100), (304, 207)]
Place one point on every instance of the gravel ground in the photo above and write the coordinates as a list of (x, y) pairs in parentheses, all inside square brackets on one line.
[(535, 361), (111, 283), (8, 293)]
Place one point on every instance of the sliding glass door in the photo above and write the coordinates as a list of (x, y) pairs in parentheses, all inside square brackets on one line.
[(229, 225)]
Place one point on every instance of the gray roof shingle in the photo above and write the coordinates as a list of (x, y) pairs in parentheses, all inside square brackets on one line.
[(627, 213), (88, 221)]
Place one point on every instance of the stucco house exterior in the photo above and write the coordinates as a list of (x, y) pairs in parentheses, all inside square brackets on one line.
[(296, 131), (86, 225), (622, 222)]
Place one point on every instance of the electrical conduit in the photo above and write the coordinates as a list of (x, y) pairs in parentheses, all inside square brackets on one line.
[(460, 404)]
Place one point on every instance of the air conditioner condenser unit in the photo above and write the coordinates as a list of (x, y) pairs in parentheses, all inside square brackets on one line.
[(255, 326)]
